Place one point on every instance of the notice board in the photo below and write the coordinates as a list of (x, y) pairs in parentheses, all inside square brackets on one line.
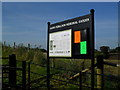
[(60, 43), (71, 38)]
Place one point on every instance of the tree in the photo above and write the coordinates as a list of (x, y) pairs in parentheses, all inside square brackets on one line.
[(105, 51), (117, 49)]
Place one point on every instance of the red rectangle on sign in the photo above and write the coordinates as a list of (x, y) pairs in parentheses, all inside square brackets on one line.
[(77, 36)]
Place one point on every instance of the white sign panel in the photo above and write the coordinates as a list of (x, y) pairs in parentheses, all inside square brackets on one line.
[(60, 43)]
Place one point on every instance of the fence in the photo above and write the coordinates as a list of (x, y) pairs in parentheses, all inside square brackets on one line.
[(69, 80), (16, 74), (103, 79), (28, 76), (10, 71)]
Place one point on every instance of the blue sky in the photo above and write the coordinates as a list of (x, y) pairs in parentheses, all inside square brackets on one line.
[(0, 21), (27, 22)]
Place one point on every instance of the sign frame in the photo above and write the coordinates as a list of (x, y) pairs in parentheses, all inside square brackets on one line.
[(78, 23), (92, 51)]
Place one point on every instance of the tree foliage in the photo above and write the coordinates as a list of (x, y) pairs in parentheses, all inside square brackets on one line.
[(105, 51)]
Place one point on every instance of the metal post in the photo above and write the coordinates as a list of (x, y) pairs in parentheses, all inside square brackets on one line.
[(92, 49), (48, 62), (29, 76), (100, 81), (24, 75), (12, 72)]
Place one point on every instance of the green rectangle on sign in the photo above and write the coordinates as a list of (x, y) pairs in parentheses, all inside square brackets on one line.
[(83, 47)]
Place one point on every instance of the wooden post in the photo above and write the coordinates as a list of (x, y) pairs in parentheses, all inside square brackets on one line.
[(12, 72), (14, 45), (53, 63), (28, 47), (24, 75), (4, 43), (29, 76), (100, 81)]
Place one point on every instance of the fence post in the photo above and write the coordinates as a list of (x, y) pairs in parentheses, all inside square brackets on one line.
[(24, 75), (28, 47), (29, 76), (4, 43), (12, 72), (100, 81), (14, 45)]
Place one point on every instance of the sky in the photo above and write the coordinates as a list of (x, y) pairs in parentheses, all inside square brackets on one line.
[(26, 22), (0, 21), (59, 0)]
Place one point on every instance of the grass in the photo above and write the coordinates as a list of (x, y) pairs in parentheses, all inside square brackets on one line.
[(64, 75), (111, 70), (69, 66)]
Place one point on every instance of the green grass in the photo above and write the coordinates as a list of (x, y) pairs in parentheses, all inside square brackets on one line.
[(36, 56), (64, 75)]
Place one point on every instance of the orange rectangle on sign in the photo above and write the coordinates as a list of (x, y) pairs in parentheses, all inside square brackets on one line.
[(77, 36)]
